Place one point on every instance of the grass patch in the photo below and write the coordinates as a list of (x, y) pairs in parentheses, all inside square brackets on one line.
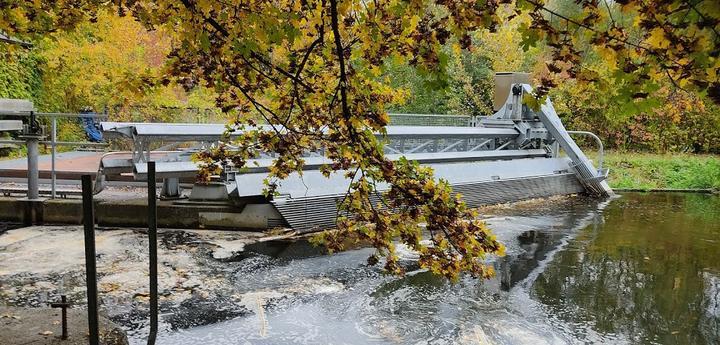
[(666, 171)]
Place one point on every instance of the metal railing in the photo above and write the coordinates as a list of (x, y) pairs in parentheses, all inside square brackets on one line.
[(429, 120), (53, 138), (601, 153)]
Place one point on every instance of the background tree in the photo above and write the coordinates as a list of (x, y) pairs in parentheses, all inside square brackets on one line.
[(106, 61), (644, 43), (633, 94), (111, 62)]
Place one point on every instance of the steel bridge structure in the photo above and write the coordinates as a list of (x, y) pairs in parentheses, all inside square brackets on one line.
[(517, 153)]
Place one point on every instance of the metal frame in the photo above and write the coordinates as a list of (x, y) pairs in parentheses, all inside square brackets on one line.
[(513, 132), (601, 153), (53, 139), (430, 119), (415, 141), (507, 137)]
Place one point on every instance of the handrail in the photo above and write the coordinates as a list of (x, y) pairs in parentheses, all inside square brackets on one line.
[(30, 113), (601, 153), (431, 115), (59, 143), (53, 135)]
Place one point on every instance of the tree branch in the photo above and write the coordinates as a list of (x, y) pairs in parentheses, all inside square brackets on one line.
[(334, 22), (190, 6)]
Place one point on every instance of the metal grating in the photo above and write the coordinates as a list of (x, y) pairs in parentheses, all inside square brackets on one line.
[(318, 213), (429, 120)]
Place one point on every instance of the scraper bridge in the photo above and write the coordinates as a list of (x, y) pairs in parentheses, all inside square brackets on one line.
[(515, 154)]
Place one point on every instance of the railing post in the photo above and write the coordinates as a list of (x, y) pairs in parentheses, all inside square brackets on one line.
[(90, 267), (152, 239)]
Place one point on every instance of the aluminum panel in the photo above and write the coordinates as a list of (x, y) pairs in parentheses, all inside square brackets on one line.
[(309, 214), (189, 168), (204, 132), (10, 125), (313, 183)]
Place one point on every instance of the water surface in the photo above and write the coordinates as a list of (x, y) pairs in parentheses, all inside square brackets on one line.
[(648, 274), (640, 269)]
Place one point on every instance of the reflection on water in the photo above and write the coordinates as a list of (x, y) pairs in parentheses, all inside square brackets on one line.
[(535, 244), (649, 272), (639, 269)]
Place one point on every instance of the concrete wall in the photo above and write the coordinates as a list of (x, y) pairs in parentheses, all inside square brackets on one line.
[(133, 213)]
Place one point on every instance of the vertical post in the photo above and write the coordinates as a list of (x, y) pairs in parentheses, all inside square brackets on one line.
[(152, 239), (63, 300), (170, 188), (33, 174), (63, 305), (90, 269), (32, 136), (53, 139)]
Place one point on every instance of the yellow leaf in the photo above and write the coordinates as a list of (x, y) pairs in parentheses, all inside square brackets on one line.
[(608, 55), (657, 39)]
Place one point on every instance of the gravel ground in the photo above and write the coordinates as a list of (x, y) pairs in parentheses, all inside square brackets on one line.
[(41, 326), (39, 263)]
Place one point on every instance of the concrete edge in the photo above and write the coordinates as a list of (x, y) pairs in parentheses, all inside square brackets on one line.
[(133, 213)]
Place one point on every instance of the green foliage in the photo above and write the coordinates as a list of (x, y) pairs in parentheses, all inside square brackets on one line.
[(684, 123), (114, 61), (671, 41), (471, 84), (70, 130), (651, 171), (20, 73), (468, 89), (423, 96)]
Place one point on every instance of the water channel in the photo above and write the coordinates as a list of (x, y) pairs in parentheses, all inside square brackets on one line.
[(642, 268), (639, 269)]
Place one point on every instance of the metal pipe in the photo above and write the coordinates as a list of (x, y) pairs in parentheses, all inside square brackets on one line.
[(601, 153), (90, 264), (63, 300), (7, 39), (33, 173), (152, 240), (63, 305), (53, 139), (503, 146), (450, 147), (420, 147), (391, 149), (24, 113), (58, 143), (75, 143), (430, 115)]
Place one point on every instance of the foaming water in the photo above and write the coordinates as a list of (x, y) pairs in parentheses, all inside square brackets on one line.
[(576, 271), (339, 300)]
